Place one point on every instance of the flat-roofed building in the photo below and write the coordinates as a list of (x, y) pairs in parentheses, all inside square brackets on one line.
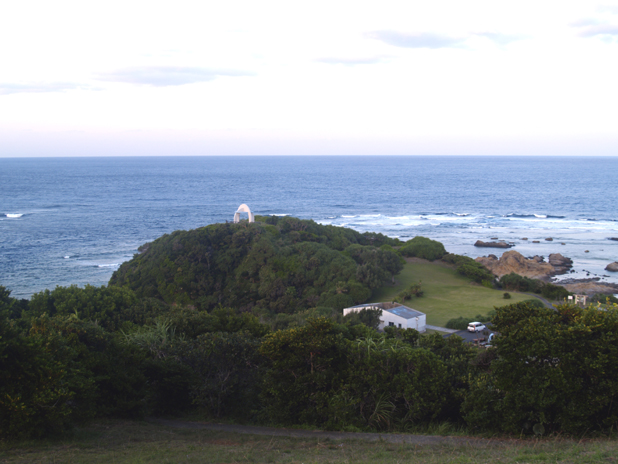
[(394, 315)]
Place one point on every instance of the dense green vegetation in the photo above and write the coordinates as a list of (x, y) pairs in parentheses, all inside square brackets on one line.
[(550, 370), (519, 283), (243, 322), (276, 265), (422, 247), (470, 268)]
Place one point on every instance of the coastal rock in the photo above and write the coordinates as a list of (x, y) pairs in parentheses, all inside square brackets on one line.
[(524, 238), (614, 239), (501, 244), (561, 264), (589, 286), (549, 239), (512, 261), (612, 267), (535, 241)]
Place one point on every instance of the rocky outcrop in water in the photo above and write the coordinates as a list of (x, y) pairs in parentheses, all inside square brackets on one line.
[(612, 267), (535, 267), (501, 244), (591, 286), (561, 264), (513, 261)]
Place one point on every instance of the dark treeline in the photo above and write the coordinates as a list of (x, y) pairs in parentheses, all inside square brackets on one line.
[(169, 336)]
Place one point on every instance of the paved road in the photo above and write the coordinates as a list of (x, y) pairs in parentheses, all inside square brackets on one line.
[(440, 329), (543, 300), (296, 433)]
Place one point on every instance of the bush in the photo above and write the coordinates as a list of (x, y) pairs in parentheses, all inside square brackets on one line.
[(554, 292), (305, 366), (553, 367), (368, 317), (603, 299), (534, 302), (471, 269), (42, 389), (412, 290), (506, 296), (422, 247), (519, 283), (387, 384)]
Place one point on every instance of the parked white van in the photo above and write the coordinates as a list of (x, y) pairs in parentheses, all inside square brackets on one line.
[(476, 327)]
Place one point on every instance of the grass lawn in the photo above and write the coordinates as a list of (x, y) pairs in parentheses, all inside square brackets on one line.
[(447, 294), (139, 442)]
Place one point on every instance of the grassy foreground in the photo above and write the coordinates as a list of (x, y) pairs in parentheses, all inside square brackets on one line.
[(447, 294), (138, 442)]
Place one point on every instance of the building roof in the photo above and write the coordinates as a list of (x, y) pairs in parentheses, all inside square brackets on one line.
[(398, 309), (405, 312)]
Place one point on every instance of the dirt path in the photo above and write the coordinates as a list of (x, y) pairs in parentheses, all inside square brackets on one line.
[(296, 433)]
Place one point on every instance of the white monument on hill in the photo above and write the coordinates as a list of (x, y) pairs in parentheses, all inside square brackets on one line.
[(243, 209)]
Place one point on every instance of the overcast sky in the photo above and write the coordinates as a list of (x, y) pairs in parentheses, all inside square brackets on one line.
[(259, 77)]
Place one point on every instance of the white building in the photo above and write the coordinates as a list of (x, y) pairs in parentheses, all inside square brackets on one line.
[(394, 315)]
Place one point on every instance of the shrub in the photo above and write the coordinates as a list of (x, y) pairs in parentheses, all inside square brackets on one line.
[(368, 317), (386, 384), (554, 367), (305, 365), (422, 247), (412, 290), (506, 296), (554, 292), (471, 269), (534, 302), (519, 283), (603, 299), (42, 389)]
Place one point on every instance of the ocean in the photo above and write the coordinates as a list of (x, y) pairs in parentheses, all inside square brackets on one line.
[(70, 221)]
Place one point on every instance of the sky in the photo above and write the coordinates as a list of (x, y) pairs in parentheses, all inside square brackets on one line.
[(136, 78)]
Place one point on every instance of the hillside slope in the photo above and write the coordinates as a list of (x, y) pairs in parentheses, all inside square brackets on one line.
[(275, 264)]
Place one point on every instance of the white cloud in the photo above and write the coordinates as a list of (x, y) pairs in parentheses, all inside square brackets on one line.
[(352, 61), (163, 76), (37, 87), (421, 40)]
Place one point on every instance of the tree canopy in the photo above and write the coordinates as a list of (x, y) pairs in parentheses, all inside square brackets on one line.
[(280, 265)]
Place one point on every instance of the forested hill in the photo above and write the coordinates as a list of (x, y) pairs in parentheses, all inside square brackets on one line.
[(277, 264)]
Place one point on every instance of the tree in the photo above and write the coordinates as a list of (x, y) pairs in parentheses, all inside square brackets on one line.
[(555, 369), (305, 365)]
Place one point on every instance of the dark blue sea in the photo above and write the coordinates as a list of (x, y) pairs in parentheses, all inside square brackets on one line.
[(74, 220)]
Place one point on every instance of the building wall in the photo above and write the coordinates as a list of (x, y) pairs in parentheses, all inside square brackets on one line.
[(417, 323)]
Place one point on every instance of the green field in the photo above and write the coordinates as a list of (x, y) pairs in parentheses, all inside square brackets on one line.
[(447, 294), (140, 442)]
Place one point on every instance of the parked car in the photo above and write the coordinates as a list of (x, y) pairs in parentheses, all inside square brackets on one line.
[(476, 327)]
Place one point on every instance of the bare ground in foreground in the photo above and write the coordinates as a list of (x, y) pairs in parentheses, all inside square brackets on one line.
[(197, 442)]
